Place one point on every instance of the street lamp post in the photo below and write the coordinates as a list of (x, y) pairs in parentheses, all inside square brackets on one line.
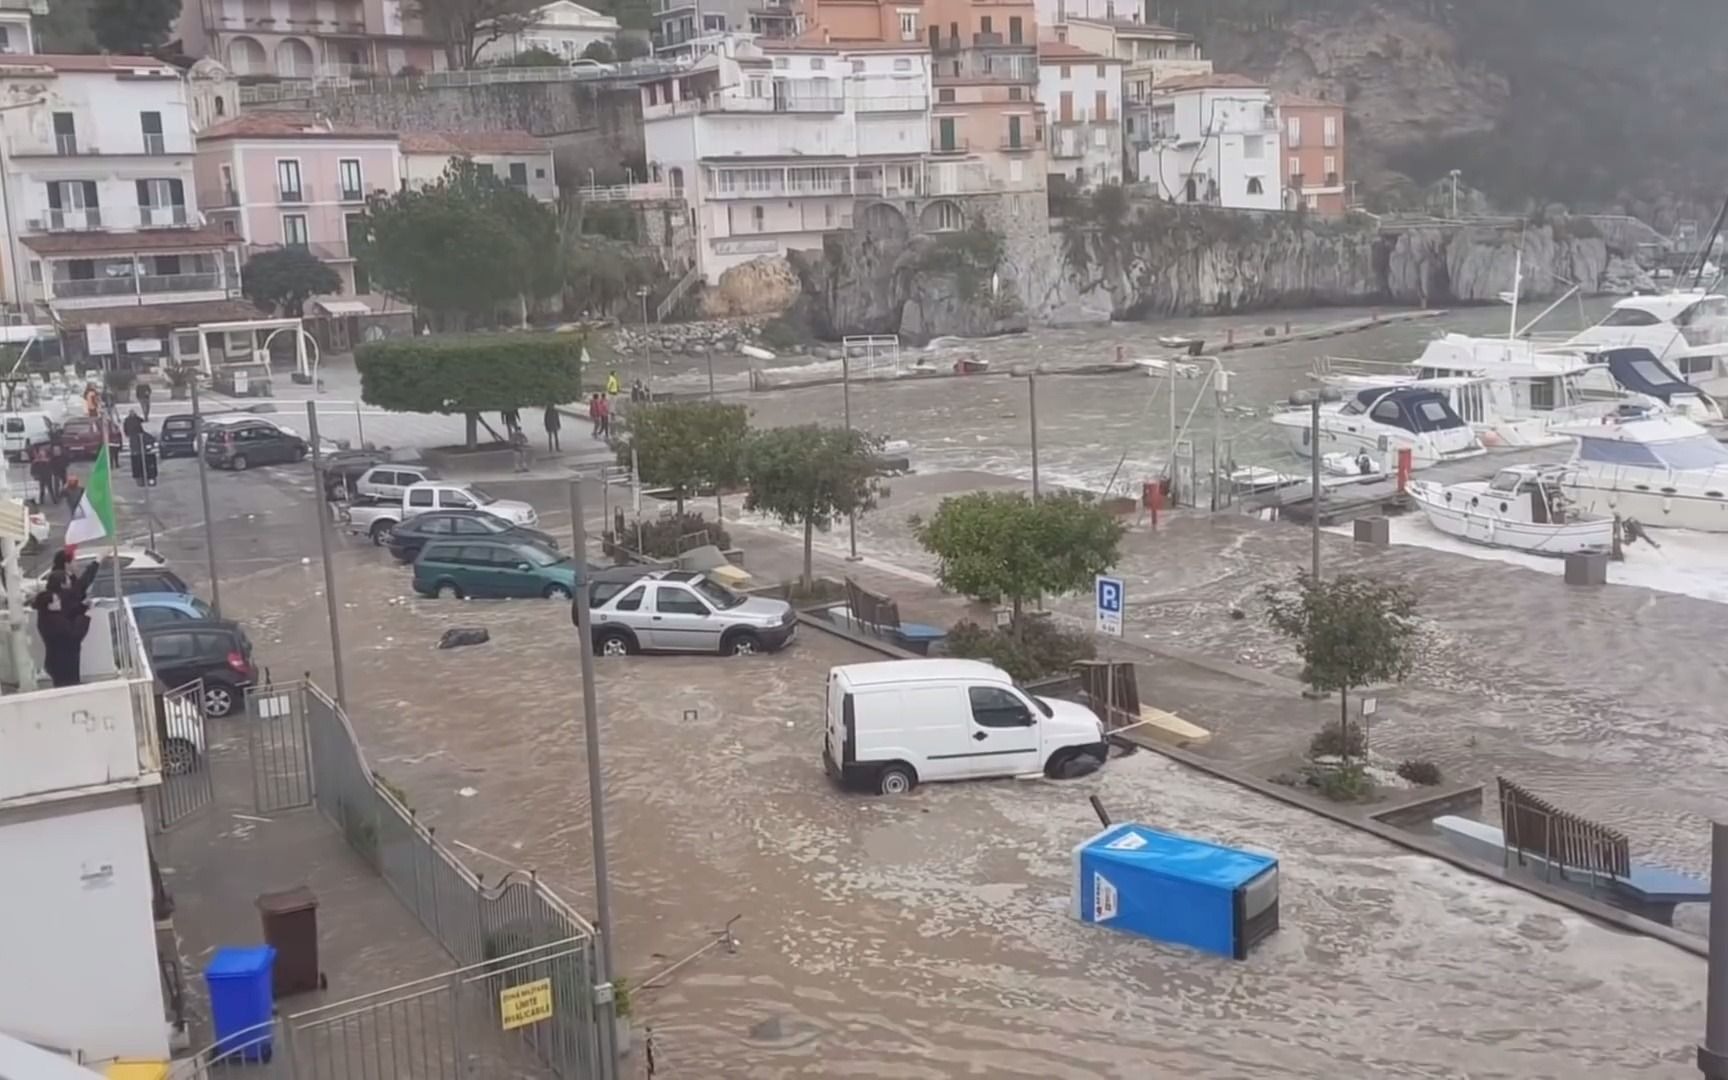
[(1314, 399), (846, 408), (1455, 174), (647, 345)]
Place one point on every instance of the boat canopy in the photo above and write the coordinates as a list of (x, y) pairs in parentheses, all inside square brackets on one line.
[(1639, 371), (1411, 408), (1693, 452)]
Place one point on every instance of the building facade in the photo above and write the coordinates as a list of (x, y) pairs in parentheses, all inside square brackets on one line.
[(1082, 97), (83, 970), (292, 179), (1213, 140), (773, 144), (17, 34), (685, 29), (1312, 150), (563, 28), (101, 209), (1152, 54), (516, 158), (309, 39), (986, 124)]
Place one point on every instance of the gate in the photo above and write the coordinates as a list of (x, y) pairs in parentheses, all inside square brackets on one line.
[(185, 786), (277, 745)]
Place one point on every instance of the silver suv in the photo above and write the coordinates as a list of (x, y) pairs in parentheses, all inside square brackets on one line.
[(680, 611)]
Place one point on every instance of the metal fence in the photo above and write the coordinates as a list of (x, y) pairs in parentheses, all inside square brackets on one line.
[(476, 923), (180, 729)]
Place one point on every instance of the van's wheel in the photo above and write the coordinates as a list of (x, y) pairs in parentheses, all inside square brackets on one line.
[(896, 779), (1053, 768), (615, 643), (448, 590), (742, 644), (239, 463), (179, 756), (380, 533)]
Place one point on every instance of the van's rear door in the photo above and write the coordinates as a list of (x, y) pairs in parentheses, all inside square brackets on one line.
[(835, 751)]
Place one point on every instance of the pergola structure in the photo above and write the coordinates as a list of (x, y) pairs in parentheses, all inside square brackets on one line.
[(251, 327)]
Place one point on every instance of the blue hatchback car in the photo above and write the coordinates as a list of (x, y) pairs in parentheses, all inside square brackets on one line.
[(160, 608)]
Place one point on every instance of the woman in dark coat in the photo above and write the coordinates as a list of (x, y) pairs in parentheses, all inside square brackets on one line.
[(63, 619)]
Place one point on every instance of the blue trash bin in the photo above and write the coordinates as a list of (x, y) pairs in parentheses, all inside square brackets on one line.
[(241, 1001)]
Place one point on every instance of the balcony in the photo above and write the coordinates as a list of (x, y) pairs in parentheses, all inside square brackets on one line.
[(329, 251), (74, 145), (980, 65), (297, 195), (1013, 145), (951, 146), (165, 217), (130, 285), (358, 195), (120, 219), (97, 736), (215, 200), (66, 221), (155, 144), (873, 187), (904, 103)]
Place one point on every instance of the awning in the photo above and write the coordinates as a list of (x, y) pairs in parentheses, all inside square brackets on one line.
[(343, 307)]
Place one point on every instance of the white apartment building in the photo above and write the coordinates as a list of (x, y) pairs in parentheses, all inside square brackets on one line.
[(16, 32), (563, 28), (772, 144), (1213, 140), (1081, 93), (100, 211), (77, 928), (1152, 53)]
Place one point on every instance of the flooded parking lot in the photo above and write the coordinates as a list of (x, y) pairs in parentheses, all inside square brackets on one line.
[(928, 936)]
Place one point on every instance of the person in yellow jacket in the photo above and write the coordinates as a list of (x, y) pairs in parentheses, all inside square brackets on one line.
[(612, 385)]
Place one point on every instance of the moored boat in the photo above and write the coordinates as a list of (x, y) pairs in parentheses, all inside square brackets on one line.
[(1524, 507)]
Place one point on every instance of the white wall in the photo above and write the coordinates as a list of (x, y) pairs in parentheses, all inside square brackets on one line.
[(1101, 139), (105, 110), (76, 932), (67, 738)]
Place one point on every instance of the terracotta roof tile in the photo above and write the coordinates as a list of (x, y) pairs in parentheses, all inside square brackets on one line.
[(1218, 80), (1298, 101), (1131, 26), (97, 243), (201, 311), (285, 124), (116, 64), (473, 142), (1059, 51)]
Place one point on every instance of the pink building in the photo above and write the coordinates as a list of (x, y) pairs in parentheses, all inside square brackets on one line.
[(306, 39), (293, 179)]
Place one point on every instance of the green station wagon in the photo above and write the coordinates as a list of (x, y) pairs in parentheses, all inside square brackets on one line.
[(480, 566)]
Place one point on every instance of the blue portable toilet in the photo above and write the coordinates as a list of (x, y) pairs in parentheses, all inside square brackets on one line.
[(242, 1001), (1170, 888)]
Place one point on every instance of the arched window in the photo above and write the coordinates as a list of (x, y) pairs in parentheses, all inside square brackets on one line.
[(1255, 187), (942, 216)]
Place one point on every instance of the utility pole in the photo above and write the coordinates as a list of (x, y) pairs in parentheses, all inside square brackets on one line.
[(1713, 1052), (596, 788), (1170, 468), (204, 497), (647, 344), (1314, 477), (323, 510), (846, 408), (1032, 411)]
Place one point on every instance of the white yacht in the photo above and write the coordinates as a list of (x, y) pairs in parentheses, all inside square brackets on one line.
[(1636, 373), (1382, 421), (1687, 330), (1656, 468), (1524, 507)]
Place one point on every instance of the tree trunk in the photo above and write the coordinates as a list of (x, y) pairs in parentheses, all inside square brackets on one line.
[(1014, 621), (1344, 723), (473, 425), (809, 541), (678, 501)]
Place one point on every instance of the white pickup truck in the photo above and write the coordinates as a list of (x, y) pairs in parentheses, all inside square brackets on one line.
[(375, 518)]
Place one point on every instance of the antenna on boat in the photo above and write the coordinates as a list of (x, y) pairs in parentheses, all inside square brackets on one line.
[(1517, 287)]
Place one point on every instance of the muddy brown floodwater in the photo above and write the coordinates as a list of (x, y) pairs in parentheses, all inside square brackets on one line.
[(928, 936)]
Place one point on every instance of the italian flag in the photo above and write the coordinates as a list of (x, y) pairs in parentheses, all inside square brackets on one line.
[(93, 518)]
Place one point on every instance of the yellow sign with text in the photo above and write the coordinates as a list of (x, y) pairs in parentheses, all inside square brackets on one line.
[(529, 1003)]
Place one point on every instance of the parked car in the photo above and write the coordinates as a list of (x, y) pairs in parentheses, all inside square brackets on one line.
[(493, 566), (177, 438), (138, 558), (896, 723), (342, 470), (159, 609), (376, 518), (214, 650), (406, 539), (389, 482), (151, 579), (180, 733), (82, 436), (680, 611), (246, 443), (22, 430)]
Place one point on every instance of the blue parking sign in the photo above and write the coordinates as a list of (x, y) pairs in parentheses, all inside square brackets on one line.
[(1110, 595)]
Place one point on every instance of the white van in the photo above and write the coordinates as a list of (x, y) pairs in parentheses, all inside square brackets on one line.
[(898, 722), (22, 430)]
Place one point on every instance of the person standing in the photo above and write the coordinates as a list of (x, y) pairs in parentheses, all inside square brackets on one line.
[(63, 619), (594, 414), (92, 401), (133, 427), (143, 392), (71, 494), (42, 472), (605, 418), (519, 444), (553, 423), (512, 421), (612, 385), (58, 460)]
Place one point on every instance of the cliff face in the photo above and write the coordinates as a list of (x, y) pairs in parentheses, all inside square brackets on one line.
[(919, 286)]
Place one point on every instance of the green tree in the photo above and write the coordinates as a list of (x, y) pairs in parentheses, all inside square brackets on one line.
[(1003, 545), (1349, 631), (133, 26), (281, 280), (629, 46), (599, 51), (66, 28), (812, 476), (532, 58), (687, 445), (461, 246), (470, 375), (466, 27)]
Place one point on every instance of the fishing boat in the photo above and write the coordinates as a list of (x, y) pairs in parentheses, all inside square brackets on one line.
[(1659, 468), (1524, 507), (1383, 421)]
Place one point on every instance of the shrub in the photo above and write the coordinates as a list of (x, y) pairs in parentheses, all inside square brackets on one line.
[(1419, 771), (471, 374), (1347, 783), (661, 536), (1042, 647), (1329, 741)]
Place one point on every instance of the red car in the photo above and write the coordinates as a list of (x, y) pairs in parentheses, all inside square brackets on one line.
[(83, 436)]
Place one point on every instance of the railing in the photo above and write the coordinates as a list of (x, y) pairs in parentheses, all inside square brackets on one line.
[(136, 284), (952, 146), (873, 186), (306, 88), (293, 196), (67, 221), (793, 189), (158, 217), (901, 103), (1013, 144), (171, 283), (97, 219), (690, 278), (82, 287), (356, 195), (630, 193)]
